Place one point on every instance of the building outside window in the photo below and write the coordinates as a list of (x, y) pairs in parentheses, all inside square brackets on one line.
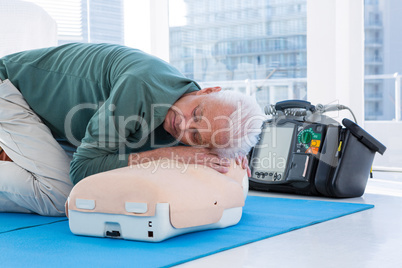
[(266, 40), (95, 21), (257, 41)]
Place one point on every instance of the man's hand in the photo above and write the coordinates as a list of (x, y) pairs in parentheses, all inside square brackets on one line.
[(183, 154), (4, 156), (243, 162)]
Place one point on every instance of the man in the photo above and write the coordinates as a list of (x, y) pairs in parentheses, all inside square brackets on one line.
[(111, 106)]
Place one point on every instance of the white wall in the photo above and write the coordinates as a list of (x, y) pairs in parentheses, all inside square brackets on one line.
[(389, 134), (147, 26), (25, 26), (335, 53)]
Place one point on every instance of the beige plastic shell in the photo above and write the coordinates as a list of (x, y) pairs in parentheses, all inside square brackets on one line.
[(197, 195)]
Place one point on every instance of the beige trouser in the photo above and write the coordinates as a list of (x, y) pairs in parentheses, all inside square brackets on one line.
[(37, 181)]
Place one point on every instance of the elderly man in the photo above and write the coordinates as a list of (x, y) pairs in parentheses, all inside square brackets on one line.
[(79, 109)]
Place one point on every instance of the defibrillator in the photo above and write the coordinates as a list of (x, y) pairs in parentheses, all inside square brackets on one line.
[(303, 151)]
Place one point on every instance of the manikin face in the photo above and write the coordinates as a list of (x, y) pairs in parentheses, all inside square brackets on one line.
[(199, 119)]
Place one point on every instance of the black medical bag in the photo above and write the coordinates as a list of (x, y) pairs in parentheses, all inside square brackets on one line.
[(303, 151)]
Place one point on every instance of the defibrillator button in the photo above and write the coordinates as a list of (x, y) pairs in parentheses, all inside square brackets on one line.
[(315, 143), (306, 137), (136, 207)]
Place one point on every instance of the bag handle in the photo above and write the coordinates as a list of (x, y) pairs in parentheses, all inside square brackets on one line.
[(364, 137), (288, 104)]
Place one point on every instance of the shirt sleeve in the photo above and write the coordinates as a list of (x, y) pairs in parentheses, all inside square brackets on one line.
[(134, 109)]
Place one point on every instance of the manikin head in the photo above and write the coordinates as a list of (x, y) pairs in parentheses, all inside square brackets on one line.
[(226, 121)]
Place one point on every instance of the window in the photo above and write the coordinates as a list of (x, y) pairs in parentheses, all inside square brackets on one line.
[(383, 74), (250, 40), (95, 21)]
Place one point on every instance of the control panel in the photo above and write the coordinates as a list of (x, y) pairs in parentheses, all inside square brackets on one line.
[(309, 139), (286, 151)]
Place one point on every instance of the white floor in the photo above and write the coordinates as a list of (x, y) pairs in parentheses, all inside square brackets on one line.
[(371, 238)]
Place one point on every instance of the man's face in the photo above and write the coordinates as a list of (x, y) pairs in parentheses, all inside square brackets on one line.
[(199, 119)]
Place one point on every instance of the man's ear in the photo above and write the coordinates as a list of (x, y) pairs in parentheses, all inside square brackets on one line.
[(208, 90)]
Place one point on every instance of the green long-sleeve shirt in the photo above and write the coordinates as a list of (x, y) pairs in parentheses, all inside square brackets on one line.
[(102, 98)]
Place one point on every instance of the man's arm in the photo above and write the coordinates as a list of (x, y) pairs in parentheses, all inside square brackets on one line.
[(133, 110), (189, 155)]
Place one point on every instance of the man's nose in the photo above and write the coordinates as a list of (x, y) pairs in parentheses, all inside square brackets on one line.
[(182, 123), (185, 124)]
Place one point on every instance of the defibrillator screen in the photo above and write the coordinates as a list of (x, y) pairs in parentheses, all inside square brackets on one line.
[(271, 155)]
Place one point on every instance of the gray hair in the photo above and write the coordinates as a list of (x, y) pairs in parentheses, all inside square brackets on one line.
[(245, 123)]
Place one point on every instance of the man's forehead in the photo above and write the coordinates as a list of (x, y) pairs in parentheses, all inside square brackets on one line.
[(215, 109), (219, 125)]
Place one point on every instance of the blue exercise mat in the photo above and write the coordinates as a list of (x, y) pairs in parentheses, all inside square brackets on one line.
[(53, 245), (15, 221)]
